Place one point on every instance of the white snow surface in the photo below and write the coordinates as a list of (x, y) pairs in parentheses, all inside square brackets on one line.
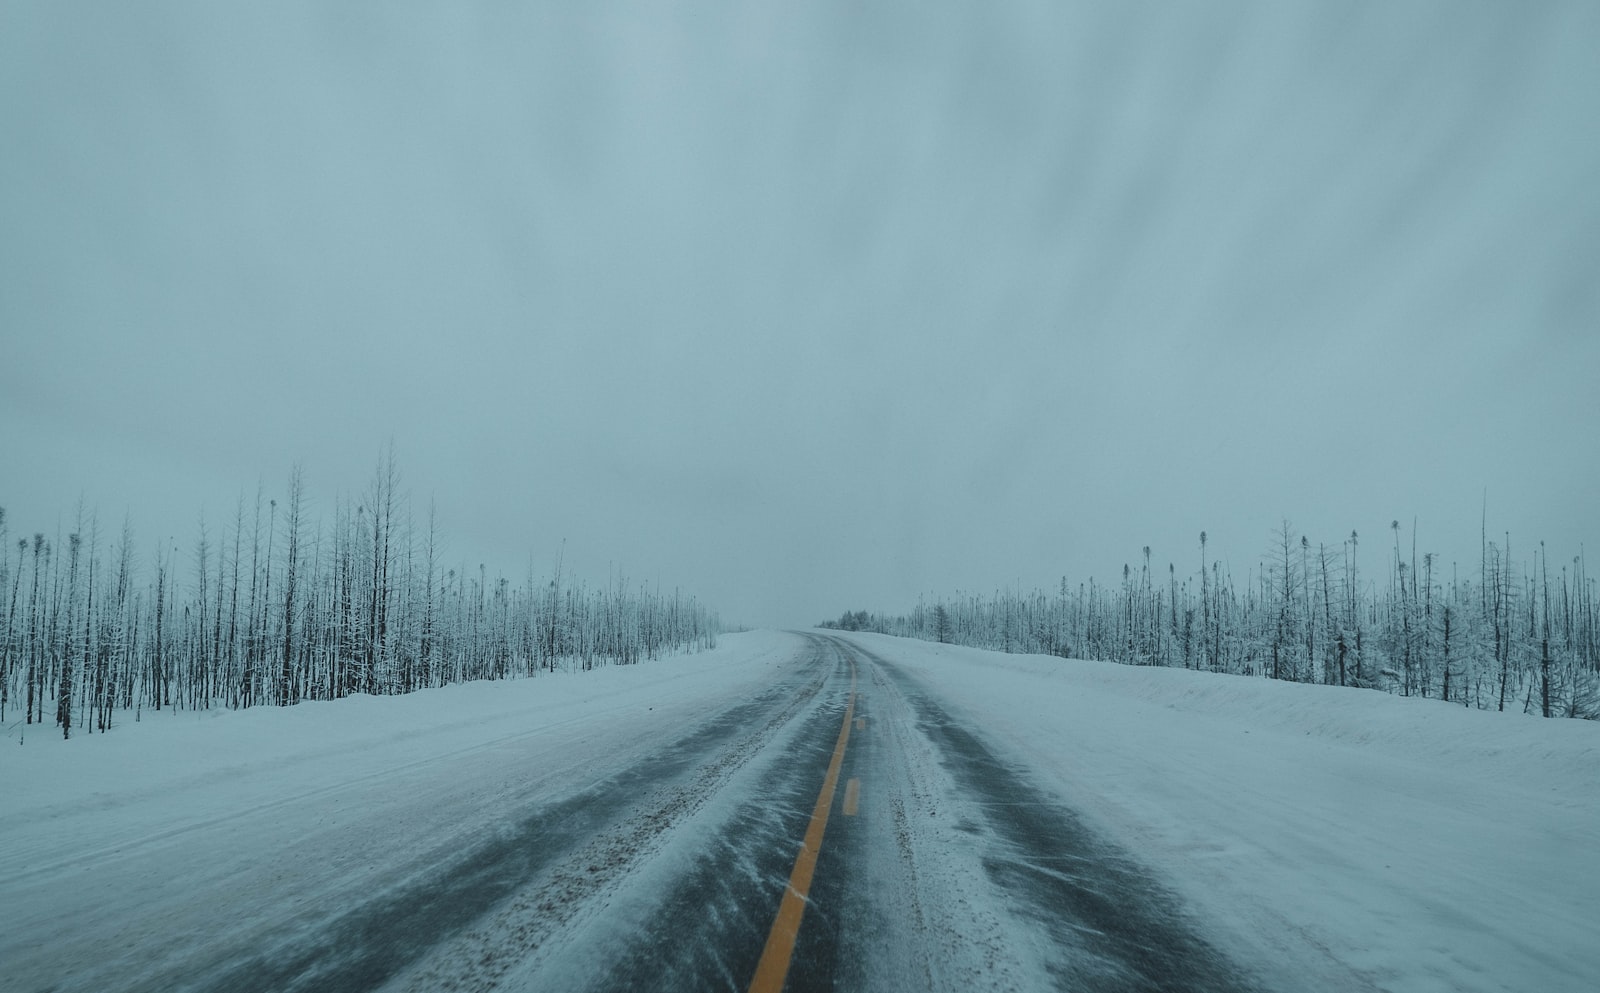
[(1325, 834), (1331, 839)]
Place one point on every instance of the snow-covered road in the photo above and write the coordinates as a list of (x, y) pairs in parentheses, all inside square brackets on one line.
[(278, 849), (999, 822)]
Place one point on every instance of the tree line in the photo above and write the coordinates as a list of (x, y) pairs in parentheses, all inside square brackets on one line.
[(1510, 635), (275, 608)]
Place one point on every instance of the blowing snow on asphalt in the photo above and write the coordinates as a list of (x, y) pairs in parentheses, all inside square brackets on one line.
[(967, 821)]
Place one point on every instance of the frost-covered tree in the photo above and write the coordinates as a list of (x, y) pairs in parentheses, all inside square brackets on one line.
[(1521, 635)]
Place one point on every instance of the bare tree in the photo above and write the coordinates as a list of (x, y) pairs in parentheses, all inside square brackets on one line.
[(288, 689)]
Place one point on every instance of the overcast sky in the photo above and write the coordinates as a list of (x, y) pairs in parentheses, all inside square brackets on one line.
[(810, 306)]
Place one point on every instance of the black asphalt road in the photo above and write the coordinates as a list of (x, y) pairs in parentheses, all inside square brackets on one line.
[(955, 873)]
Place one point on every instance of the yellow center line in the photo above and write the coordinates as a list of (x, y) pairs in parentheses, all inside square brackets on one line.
[(774, 965)]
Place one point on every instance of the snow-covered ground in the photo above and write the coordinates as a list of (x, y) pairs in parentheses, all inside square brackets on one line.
[(1317, 834), (1319, 830)]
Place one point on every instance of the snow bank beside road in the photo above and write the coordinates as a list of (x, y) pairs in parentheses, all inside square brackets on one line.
[(1343, 838)]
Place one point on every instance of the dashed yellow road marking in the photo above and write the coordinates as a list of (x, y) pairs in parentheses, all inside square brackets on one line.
[(774, 965), (852, 797), (861, 723)]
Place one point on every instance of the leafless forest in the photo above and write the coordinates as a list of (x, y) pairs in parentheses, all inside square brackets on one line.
[(272, 607), (1518, 632)]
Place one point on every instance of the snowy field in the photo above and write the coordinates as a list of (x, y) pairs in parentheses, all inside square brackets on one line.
[(1425, 846), (1313, 832)]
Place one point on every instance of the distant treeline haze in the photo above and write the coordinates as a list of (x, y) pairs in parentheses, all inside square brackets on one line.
[(1500, 637), (273, 608)]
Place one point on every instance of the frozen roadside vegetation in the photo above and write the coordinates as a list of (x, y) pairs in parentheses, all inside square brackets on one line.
[(1312, 829)]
